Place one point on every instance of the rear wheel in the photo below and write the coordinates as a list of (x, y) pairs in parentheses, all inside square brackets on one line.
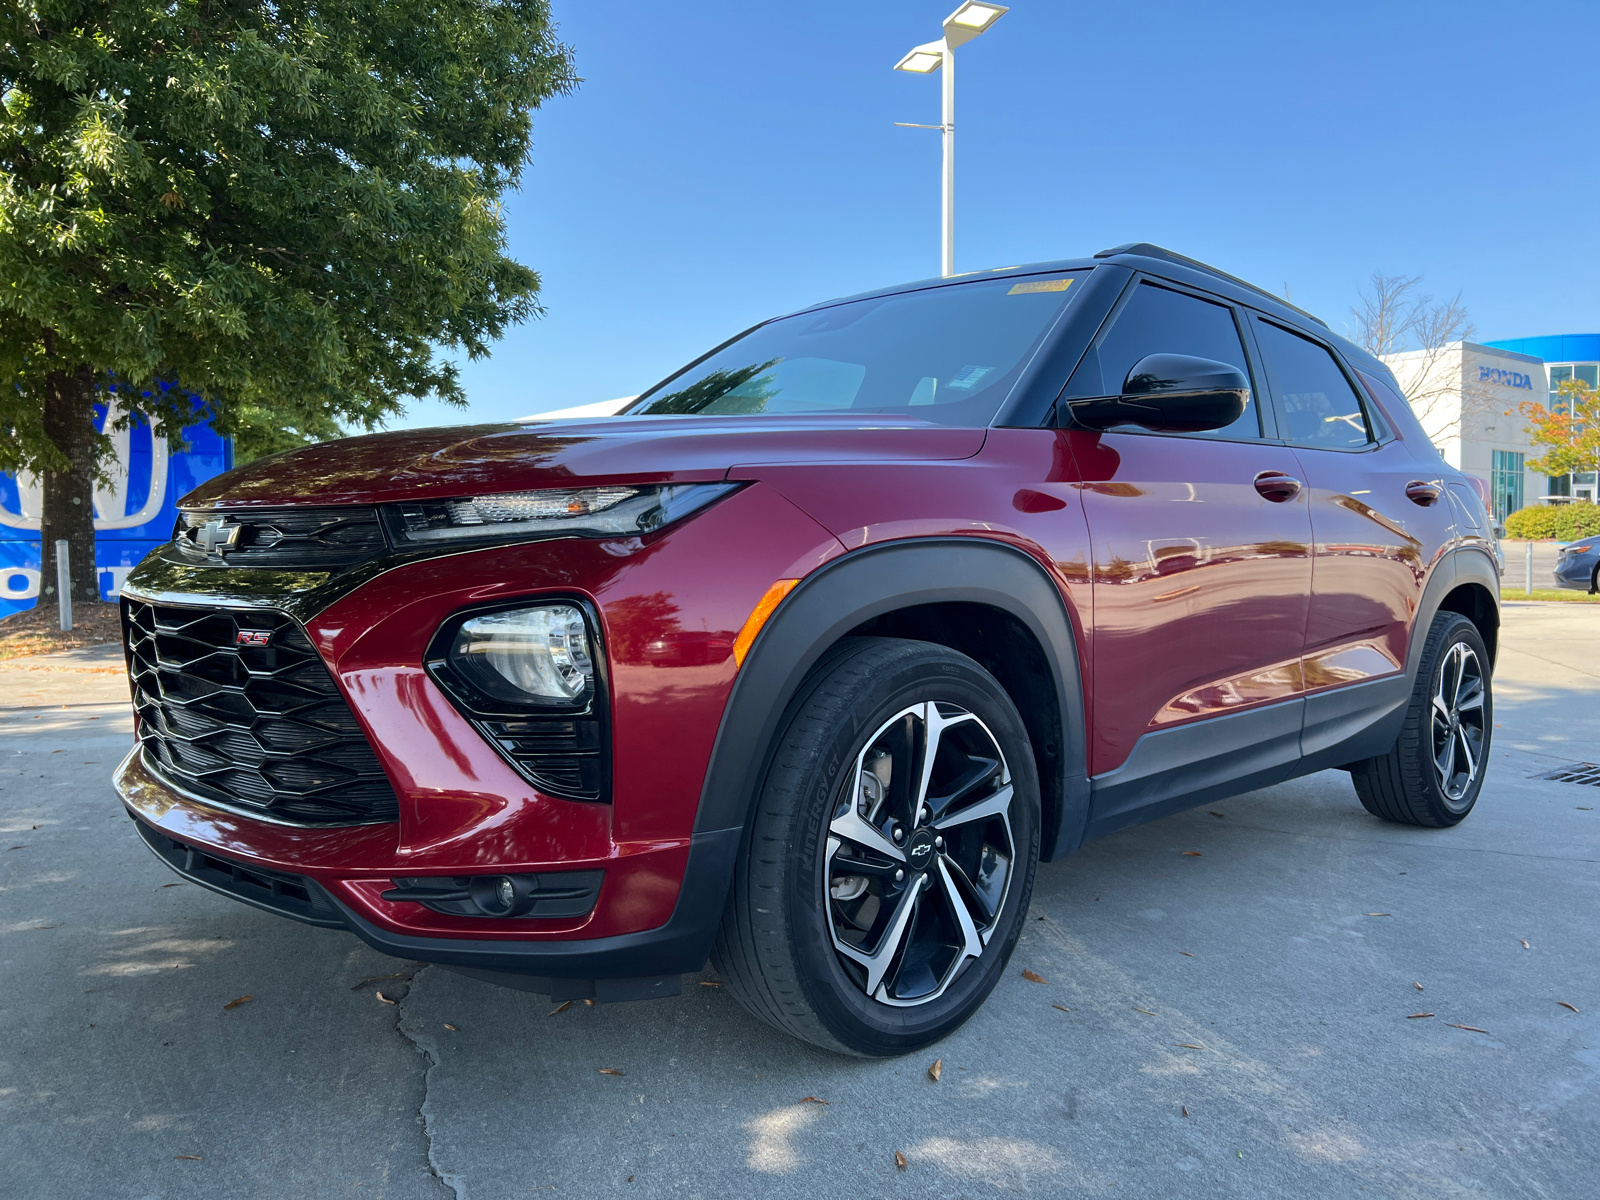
[(891, 856), (1434, 773)]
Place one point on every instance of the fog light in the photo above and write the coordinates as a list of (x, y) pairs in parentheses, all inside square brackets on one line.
[(496, 895), (538, 654)]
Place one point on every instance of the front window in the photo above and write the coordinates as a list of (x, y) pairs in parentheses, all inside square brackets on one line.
[(949, 355)]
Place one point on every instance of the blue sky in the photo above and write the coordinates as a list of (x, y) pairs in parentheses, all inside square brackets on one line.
[(725, 161)]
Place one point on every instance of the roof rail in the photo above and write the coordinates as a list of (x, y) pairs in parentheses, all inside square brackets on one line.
[(1150, 250)]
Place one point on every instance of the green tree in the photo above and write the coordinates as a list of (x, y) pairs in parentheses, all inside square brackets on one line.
[(1570, 428), (289, 209)]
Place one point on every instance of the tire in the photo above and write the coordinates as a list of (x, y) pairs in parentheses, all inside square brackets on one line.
[(891, 967), (1408, 785)]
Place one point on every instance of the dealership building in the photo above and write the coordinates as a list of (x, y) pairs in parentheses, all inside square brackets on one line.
[(1466, 396)]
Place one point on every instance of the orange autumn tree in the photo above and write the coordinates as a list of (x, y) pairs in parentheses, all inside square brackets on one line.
[(1571, 430)]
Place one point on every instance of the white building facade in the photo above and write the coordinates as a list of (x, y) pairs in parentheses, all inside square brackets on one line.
[(1466, 396)]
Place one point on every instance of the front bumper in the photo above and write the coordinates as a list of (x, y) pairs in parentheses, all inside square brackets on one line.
[(627, 966), (1574, 572)]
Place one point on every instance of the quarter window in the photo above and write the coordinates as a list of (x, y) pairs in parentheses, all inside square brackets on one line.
[(1315, 400), (1158, 320)]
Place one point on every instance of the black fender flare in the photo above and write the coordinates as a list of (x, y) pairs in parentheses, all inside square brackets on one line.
[(852, 590), (1461, 566)]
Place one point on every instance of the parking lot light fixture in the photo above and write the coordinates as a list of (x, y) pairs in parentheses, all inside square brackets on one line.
[(974, 17)]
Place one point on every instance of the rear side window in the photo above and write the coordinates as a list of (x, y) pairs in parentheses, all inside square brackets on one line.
[(1316, 404), (1158, 320)]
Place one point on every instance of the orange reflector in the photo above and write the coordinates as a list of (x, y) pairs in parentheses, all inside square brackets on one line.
[(758, 618)]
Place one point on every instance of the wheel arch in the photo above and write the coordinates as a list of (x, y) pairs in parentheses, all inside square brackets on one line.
[(1475, 600), (982, 598)]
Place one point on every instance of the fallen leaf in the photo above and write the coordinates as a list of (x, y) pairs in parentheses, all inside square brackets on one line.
[(24, 846), (1417, 983), (1185, 953), (1145, 1011), (630, 1178), (1062, 1007), (1584, 808), (384, 998), (1183, 1110), (562, 1007), (1418, 1016), (611, 1071), (189, 1157), (239, 1001), (900, 1160), (44, 926), (709, 983), (938, 1066), (451, 1027), (1564, 1004), (1193, 854), (1034, 977), (1524, 942), (588, 1003), (1468, 1028), (811, 1100), (1191, 1045), (1216, 814), (1380, 914), (165, 885)]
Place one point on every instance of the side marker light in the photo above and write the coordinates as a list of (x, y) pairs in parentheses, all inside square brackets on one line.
[(763, 609)]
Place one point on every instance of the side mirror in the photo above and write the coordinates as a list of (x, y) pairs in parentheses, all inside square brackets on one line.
[(1171, 393)]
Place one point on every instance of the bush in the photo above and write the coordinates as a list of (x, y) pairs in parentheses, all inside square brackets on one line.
[(1563, 522)]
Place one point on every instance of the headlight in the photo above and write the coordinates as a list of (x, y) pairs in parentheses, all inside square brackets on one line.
[(537, 655), (564, 512), (1583, 549)]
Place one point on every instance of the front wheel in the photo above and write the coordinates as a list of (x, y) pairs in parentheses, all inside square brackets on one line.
[(892, 853), (1434, 773)]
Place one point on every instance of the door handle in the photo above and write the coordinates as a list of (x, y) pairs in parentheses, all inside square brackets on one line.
[(1276, 486), (1419, 492)]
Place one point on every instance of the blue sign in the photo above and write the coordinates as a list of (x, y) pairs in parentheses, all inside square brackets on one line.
[(1514, 379), (133, 515)]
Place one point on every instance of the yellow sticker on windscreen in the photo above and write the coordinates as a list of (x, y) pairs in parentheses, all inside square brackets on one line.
[(1040, 285)]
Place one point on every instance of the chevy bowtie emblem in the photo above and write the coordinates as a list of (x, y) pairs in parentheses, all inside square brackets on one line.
[(252, 637), (217, 536)]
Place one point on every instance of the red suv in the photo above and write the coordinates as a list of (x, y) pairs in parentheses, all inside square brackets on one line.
[(806, 660)]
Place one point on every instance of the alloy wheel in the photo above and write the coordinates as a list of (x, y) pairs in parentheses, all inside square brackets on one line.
[(1458, 732), (919, 853)]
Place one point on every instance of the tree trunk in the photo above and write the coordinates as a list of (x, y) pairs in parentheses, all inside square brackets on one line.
[(69, 495)]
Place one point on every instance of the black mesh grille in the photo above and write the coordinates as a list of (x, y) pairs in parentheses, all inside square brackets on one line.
[(288, 539), (255, 726)]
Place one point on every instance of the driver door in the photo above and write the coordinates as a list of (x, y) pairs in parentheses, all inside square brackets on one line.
[(1201, 578)]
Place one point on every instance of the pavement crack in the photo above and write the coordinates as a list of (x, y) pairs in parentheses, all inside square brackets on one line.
[(449, 1184)]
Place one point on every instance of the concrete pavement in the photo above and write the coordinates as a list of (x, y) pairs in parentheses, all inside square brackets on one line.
[(1230, 1024)]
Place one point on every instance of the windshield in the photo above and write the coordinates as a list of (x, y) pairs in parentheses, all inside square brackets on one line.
[(944, 354)]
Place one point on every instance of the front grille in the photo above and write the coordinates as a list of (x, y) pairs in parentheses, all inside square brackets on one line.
[(285, 539), (237, 707)]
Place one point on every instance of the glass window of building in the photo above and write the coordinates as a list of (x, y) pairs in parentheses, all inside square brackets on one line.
[(1506, 484)]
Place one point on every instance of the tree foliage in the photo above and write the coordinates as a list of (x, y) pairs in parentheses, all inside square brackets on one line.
[(1570, 428), (288, 208)]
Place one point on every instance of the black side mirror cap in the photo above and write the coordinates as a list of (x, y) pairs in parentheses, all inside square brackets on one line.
[(1171, 393)]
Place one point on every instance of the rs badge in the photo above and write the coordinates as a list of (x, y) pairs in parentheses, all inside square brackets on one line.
[(253, 637)]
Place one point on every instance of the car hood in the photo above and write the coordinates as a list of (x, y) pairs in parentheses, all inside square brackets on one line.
[(462, 460)]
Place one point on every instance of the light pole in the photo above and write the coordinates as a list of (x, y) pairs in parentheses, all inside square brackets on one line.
[(960, 27)]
